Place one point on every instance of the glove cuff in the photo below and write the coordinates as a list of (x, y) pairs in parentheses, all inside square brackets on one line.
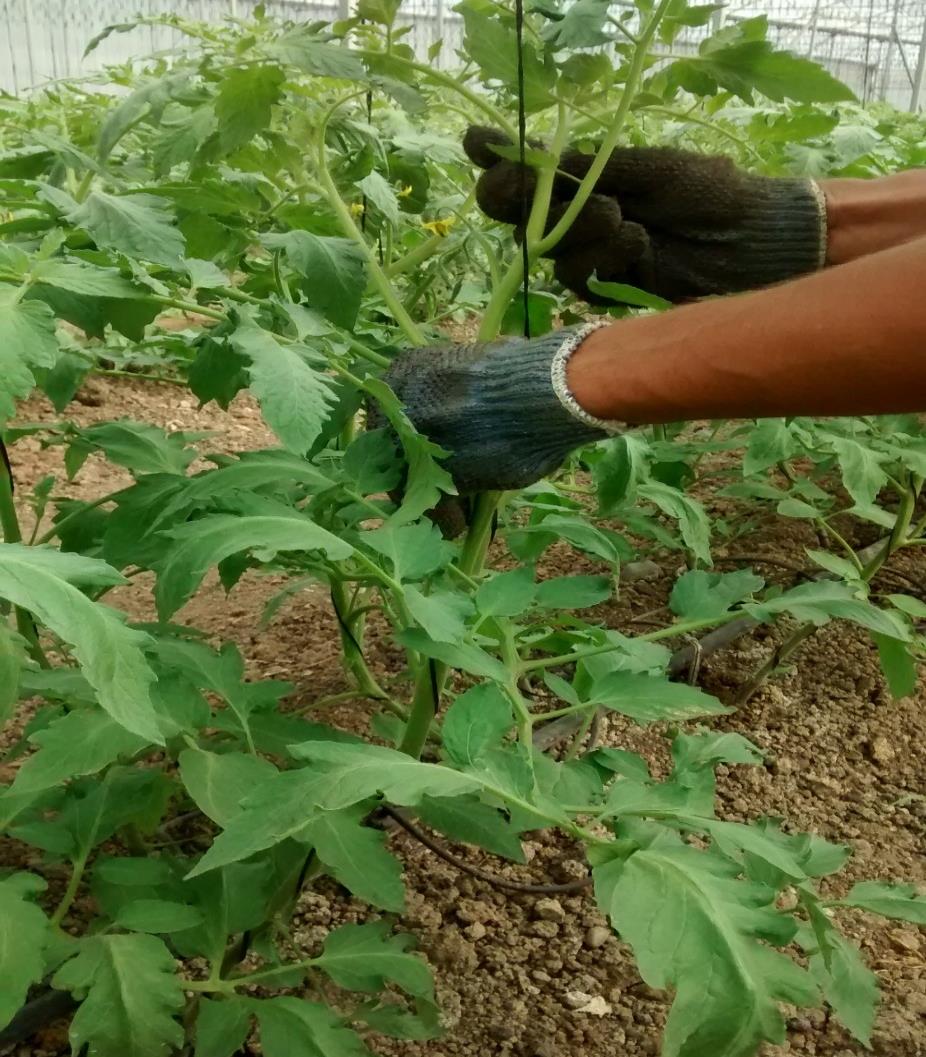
[(787, 229), (572, 339)]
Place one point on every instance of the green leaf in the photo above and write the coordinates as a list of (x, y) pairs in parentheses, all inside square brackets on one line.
[(491, 42), (624, 293), (244, 103), (109, 653), (889, 900), (699, 595), (898, 665), (218, 783), (361, 771), (697, 929), (833, 563), (507, 594), (333, 268), (291, 1027), (132, 993), (582, 26), (294, 394), (468, 819), (11, 663), (382, 194), (367, 957), (357, 857), (372, 465), (131, 872), (647, 699), (299, 47), (79, 277), (442, 614), (415, 550), (862, 472), (23, 932), (574, 592), (210, 540), (382, 12), (818, 602), (754, 66), (426, 479), (693, 523), (847, 983), (462, 655), (622, 465), (770, 442), (27, 341), (158, 915), (139, 225), (140, 447), (80, 742), (222, 1025), (477, 721)]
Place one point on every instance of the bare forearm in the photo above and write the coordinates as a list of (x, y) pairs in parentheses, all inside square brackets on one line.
[(849, 340), (867, 216)]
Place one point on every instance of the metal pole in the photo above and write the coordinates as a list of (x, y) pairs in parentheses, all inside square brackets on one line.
[(343, 10), (917, 93), (717, 20), (439, 28), (30, 46), (813, 29)]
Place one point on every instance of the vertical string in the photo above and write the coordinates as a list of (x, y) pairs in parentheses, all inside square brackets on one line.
[(522, 169)]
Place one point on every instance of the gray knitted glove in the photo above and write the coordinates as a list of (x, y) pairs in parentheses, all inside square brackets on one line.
[(502, 410)]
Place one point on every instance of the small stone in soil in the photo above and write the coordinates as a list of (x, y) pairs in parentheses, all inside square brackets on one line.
[(881, 750), (549, 910), (597, 936), (905, 940)]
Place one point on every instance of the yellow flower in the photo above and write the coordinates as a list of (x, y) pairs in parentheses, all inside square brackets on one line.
[(405, 192), (356, 209), (439, 227)]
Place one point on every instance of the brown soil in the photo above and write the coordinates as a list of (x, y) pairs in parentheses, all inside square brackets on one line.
[(844, 761)]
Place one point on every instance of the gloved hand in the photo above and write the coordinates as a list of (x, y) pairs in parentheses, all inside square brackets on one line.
[(503, 410), (678, 224)]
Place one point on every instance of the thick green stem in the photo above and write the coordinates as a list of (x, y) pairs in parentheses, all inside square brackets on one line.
[(9, 525), (634, 74), (379, 278)]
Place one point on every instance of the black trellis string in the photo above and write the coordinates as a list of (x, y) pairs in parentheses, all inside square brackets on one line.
[(522, 169)]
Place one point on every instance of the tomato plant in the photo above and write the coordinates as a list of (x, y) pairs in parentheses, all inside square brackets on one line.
[(280, 208)]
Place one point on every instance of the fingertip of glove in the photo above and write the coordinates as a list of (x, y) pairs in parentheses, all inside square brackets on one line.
[(478, 142)]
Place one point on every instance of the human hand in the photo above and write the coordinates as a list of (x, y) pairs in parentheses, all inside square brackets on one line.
[(678, 224)]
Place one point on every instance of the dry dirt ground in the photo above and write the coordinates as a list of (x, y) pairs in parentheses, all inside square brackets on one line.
[(844, 760)]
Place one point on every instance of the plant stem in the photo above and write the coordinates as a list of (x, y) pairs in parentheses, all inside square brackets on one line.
[(380, 280), (634, 74), (670, 632), (55, 530), (9, 525), (505, 291)]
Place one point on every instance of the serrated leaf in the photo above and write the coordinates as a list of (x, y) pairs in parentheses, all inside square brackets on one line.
[(333, 268), (222, 1025), (210, 540), (299, 47), (140, 447), (693, 523), (132, 993), (490, 42), (109, 653), (647, 699), (507, 594), (818, 602), (367, 957), (415, 550), (80, 742), (862, 472), (462, 655), (218, 783), (770, 442), (23, 932), (477, 721), (372, 465), (468, 819), (291, 1027), (243, 105), (442, 614), (695, 928), (294, 394), (27, 341), (138, 225), (581, 26), (700, 595), (382, 194), (11, 663), (357, 857), (158, 915), (79, 277), (901, 901), (834, 564)]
